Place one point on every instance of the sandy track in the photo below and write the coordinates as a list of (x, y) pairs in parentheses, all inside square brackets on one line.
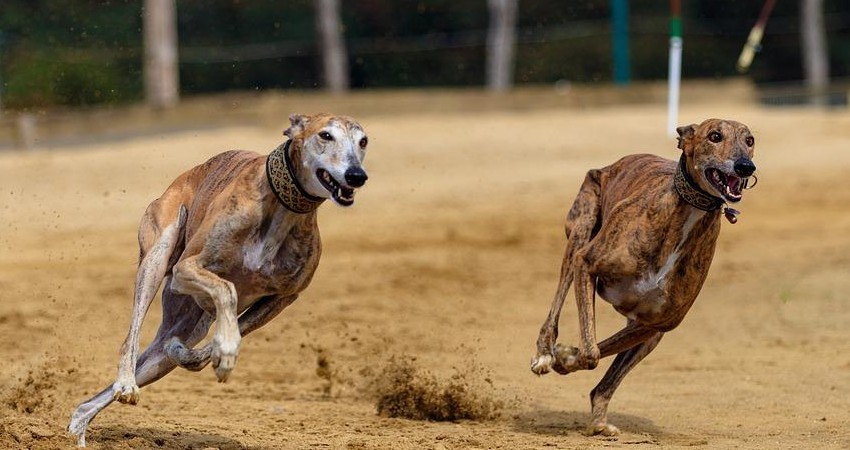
[(450, 255)]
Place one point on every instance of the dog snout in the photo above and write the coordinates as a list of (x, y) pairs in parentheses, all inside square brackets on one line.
[(356, 177), (744, 167)]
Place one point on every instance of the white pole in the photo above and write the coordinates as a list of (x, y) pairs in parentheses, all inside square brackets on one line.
[(674, 81), (501, 40)]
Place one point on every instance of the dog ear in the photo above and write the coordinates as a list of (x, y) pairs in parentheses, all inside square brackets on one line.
[(297, 124), (684, 140)]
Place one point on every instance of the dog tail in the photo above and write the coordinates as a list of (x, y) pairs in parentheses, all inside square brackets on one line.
[(582, 223)]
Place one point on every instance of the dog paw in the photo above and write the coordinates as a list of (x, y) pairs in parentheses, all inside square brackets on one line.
[(566, 359), (542, 364), (602, 429), (223, 359), (78, 429), (126, 392)]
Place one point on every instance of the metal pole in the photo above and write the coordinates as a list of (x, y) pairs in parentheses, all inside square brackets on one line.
[(814, 46), (160, 37), (620, 41), (334, 54), (1, 72), (501, 40), (675, 75), (753, 43)]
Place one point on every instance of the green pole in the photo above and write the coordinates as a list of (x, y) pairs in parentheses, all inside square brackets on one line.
[(620, 41)]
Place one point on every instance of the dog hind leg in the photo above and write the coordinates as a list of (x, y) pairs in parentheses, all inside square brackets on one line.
[(181, 318), (601, 395), (157, 241), (581, 225), (213, 294), (566, 357), (257, 315)]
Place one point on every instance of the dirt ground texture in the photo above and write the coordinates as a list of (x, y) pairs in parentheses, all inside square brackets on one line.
[(450, 256)]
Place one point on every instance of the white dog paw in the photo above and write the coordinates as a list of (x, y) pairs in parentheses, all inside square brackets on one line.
[(125, 391), (542, 364), (223, 359), (78, 429), (602, 429)]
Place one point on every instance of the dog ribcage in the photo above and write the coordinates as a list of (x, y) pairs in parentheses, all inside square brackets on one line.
[(646, 293), (261, 249), (665, 269)]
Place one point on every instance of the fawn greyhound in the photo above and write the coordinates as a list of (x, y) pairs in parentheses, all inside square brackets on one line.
[(235, 240), (641, 233)]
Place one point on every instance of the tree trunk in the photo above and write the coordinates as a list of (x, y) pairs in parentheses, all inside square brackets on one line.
[(162, 80), (501, 40), (334, 56), (815, 57)]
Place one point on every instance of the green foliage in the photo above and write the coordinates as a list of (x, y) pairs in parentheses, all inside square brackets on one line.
[(79, 52), (46, 78), (65, 52)]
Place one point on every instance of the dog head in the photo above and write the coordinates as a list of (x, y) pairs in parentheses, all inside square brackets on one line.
[(719, 156), (329, 151)]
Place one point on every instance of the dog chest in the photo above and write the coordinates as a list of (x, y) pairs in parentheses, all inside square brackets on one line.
[(647, 293)]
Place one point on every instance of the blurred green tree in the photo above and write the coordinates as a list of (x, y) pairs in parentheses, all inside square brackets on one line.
[(81, 52)]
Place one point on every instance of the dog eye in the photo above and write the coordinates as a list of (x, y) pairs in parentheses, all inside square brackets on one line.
[(326, 136), (715, 137), (750, 141), (364, 142)]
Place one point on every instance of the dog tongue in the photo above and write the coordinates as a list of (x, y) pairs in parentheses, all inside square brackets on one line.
[(734, 184)]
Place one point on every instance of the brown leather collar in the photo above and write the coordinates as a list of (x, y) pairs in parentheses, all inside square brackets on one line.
[(690, 191), (285, 184)]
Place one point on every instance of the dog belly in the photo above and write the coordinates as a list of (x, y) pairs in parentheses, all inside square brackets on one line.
[(634, 299)]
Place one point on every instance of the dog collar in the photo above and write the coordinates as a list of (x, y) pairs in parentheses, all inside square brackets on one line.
[(693, 195), (285, 185), (690, 191)]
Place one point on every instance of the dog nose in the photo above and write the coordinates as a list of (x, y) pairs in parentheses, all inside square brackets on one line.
[(356, 177), (744, 167)]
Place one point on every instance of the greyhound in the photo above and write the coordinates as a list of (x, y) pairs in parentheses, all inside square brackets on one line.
[(235, 240), (642, 233)]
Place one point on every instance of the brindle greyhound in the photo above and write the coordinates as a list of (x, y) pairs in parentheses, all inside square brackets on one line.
[(235, 240), (641, 233)]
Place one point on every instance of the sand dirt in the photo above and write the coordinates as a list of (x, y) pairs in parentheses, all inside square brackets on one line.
[(448, 260)]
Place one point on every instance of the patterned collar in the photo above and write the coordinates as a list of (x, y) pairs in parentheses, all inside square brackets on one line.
[(285, 184), (690, 191)]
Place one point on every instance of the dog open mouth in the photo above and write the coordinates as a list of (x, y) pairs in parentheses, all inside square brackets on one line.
[(342, 195), (729, 186)]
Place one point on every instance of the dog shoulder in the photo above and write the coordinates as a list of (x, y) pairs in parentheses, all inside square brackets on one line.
[(641, 178)]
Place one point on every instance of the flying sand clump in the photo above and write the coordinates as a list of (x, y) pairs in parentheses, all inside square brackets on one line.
[(405, 390)]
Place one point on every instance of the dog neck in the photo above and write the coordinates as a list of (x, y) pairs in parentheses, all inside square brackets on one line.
[(285, 185), (689, 190)]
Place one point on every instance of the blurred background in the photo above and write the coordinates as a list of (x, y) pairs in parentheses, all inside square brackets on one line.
[(72, 53)]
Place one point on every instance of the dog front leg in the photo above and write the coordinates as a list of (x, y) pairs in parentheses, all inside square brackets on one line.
[(581, 222), (545, 358), (217, 296), (587, 355), (257, 315)]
